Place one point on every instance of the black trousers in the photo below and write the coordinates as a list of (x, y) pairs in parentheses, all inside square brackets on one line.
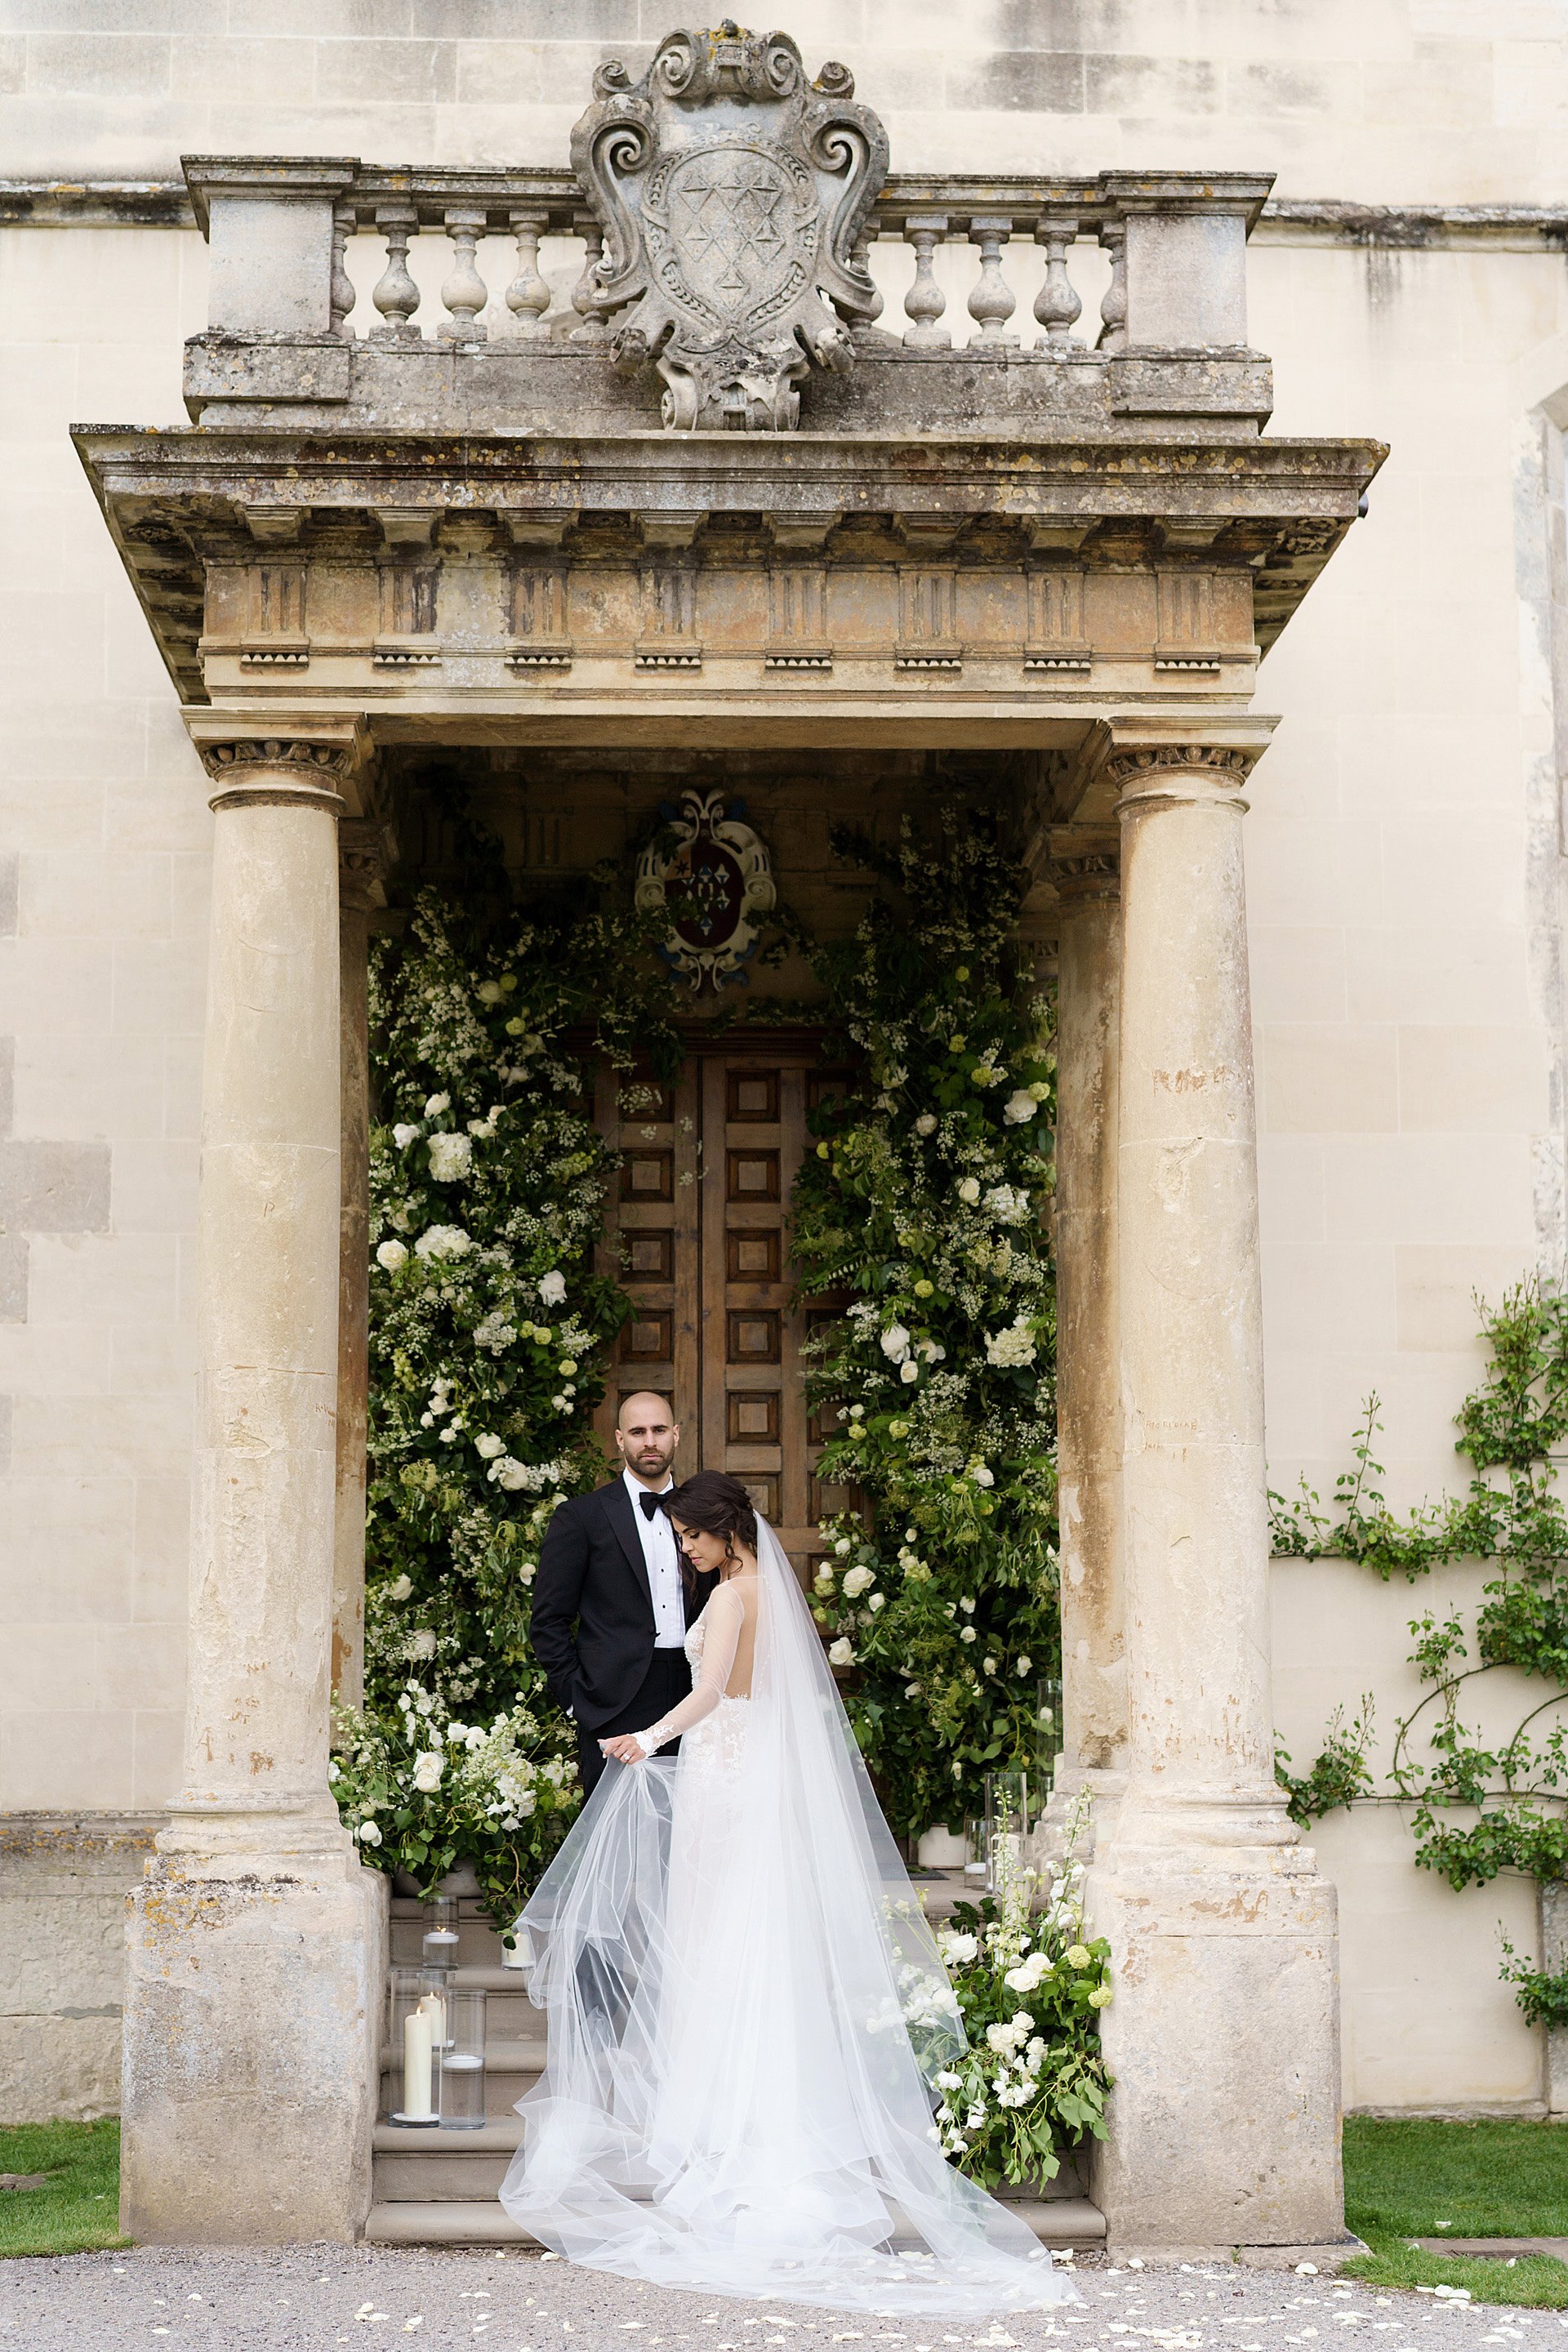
[(666, 1683)]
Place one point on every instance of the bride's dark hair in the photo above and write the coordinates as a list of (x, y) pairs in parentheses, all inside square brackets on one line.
[(717, 1504)]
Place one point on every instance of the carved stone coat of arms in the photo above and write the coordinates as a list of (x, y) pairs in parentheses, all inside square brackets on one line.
[(733, 194)]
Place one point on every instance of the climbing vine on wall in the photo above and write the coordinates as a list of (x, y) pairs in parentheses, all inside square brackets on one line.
[(1512, 1514), (489, 1335), (923, 1207)]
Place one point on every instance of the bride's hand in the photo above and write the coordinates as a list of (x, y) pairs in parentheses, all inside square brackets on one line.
[(627, 1749)]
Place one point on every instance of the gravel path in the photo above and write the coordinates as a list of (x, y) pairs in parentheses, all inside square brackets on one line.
[(307, 2297)]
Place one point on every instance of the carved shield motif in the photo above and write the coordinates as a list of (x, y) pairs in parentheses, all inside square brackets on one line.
[(712, 875), (733, 196)]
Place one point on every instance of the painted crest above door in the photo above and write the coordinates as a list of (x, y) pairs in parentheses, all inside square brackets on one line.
[(733, 196), (713, 875)]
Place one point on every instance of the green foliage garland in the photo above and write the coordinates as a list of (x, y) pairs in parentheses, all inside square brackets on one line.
[(925, 1200), (1510, 1513), (489, 1333)]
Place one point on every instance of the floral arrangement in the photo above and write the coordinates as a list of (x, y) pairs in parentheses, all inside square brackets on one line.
[(1030, 1988), (489, 1333), (926, 1200)]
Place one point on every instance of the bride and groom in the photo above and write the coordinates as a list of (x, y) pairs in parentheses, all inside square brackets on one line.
[(746, 2006)]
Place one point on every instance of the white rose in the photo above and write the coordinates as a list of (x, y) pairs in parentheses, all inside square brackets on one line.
[(966, 1634), (988, 1665), (844, 1546), (368, 1834), (489, 1445), (443, 1241), (436, 1105), (982, 1475), (1025, 1666), (855, 1580), (1000, 2037), (908, 1374), (894, 1343), (926, 1123), (552, 1288), (969, 1191), (947, 2082), (1018, 1107), (428, 1767), (391, 1254), (842, 1653), (404, 1135), (421, 1644), (957, 1949), (490, 991), (451, 1157), (508, 1474), (401, 1589), (876, 1601)]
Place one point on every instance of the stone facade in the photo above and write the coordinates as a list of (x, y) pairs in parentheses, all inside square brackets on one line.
[(1402, 855)]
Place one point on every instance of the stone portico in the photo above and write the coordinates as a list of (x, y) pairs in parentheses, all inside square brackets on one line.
[(376, 546)]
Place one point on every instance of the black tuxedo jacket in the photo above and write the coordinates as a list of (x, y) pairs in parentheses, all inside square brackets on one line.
[(592, 1624)]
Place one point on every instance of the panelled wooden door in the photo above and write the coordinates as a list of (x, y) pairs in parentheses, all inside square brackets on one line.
[(696, 1235)]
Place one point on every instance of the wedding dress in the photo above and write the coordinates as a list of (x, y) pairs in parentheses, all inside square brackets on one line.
[(746, 2006)]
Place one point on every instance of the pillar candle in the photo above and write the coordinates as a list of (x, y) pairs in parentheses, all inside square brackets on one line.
[(416, 2040)]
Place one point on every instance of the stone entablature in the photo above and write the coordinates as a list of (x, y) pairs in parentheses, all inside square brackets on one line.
[(552, 584)]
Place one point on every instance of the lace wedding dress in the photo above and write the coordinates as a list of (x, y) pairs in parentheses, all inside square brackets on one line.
[(746, 2007)]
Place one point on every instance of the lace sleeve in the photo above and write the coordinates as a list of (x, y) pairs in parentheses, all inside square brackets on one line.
[(721, 1622)]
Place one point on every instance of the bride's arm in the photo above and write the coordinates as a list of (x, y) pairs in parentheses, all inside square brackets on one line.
[(721, 1621)]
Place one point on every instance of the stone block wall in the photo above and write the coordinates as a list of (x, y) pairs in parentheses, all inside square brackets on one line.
[(63, 1882)]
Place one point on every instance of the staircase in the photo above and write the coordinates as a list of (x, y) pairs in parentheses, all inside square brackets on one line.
[(439, 2188)]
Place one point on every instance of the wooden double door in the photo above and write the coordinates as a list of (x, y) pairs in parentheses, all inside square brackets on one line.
[(697, 1236)]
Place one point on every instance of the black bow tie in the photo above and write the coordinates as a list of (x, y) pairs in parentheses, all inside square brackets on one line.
[(649, 1502)]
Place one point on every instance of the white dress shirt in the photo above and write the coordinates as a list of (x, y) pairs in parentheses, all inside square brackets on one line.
[(658, 1550)]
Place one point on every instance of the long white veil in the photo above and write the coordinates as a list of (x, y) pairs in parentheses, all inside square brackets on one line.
[(746, 2007)]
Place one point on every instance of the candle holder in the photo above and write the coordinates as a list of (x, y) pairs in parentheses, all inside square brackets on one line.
[(1048, 1732), (440, 1943), (462, 2062), (977, 1851), (1010, 1799), (414, 2104)]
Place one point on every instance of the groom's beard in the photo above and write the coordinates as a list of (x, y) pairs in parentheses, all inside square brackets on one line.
[(652, 1464)]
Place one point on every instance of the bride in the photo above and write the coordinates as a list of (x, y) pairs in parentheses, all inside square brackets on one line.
[(746, 2005)]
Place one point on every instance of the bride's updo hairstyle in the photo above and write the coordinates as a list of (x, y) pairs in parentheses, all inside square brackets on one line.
[(717, 1504)]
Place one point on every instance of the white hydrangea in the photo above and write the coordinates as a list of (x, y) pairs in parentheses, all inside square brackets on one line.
[(1008, 1203), (926, 1123), (1014, 1345), (488, 992), (1019, 1105), (391, 1254), (404, 1134), (986, 1074), (495, 1332), (443, 1241), (451, 1157), (894, 1343), (552, 1288), (421, 1644)]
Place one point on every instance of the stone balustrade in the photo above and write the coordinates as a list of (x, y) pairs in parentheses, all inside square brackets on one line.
[(1127, 266)]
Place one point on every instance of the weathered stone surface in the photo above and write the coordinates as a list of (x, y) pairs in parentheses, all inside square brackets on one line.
[(64, 1881)]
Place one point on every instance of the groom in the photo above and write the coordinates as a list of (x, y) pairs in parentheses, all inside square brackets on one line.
[(609, 1615)]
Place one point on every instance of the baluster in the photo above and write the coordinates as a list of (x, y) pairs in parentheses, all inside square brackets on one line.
[(1114, 309), (1056, 304), (925, 302), (993, 302), (861, 258), (528, 296), (341, 295), (397, 297), (464, 291), (592, 328)]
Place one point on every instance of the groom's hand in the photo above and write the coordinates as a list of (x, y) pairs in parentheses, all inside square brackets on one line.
[(627, 1749)]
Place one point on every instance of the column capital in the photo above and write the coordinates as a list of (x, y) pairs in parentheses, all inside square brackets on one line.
[(282, 757), (1141, 756), (364, 854), (1084, 862)]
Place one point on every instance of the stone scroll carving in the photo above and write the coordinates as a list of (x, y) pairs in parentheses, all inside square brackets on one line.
[(734, 195)]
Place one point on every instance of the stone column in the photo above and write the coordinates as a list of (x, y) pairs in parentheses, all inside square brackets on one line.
[(1223, 2034), (360, 868), (1084, 865), (255, 1943)]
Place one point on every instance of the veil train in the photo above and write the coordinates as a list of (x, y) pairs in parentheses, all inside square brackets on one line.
[(746, 2010)]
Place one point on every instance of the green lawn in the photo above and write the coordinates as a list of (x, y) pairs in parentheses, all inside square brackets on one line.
[(1429, 2179), (78, 2207)]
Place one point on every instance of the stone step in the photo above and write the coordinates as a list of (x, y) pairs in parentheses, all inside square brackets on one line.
[(415, 2167), (511, 2067), (1070, 2223)]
